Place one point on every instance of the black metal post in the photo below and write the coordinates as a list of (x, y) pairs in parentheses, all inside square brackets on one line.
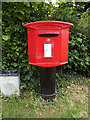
[(47, 82)]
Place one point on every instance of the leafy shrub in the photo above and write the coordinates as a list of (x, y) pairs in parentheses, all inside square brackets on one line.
[(83, 22), (14, 38)]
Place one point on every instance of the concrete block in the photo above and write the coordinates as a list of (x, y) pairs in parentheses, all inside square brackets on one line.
[(10, 85)]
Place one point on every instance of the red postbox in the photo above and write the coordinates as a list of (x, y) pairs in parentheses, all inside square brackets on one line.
[(48, 43), (48, 47)]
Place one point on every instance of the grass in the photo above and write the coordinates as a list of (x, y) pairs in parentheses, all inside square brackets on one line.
[(71, 101)]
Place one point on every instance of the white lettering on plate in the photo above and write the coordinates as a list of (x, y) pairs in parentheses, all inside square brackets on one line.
[(47, 50)]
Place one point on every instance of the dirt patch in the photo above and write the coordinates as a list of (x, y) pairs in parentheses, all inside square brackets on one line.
[(78, 94), (79, 91), (82, 113), (53, 111)]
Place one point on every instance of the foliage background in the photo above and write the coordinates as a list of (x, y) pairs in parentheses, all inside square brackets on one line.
[(14, 38)]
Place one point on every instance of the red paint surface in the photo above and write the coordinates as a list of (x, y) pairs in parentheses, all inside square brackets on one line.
[(38, 34)]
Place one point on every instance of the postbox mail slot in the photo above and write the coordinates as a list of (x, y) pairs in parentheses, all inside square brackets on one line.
[(43, 33)]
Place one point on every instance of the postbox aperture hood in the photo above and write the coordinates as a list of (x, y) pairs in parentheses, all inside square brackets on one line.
[(35, 25)]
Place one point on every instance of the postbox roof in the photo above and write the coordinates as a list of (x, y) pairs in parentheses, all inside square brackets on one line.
[(55, 23)]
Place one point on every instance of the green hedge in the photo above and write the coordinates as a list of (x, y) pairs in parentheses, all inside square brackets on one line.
[(14, 38)]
